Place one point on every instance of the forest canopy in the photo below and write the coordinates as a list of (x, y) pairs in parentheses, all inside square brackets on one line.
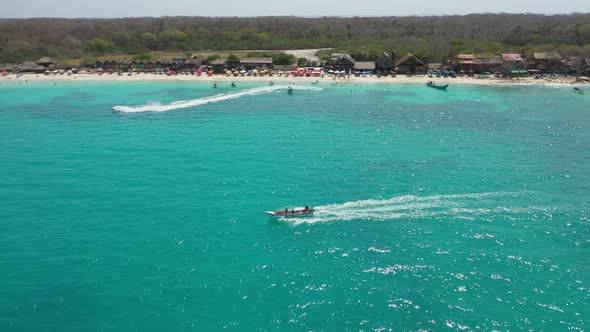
[(438, 38)]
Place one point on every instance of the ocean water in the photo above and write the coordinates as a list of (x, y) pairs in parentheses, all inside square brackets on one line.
[(459, 211)]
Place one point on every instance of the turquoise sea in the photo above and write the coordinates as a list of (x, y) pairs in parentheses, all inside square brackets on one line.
[(459, 211)]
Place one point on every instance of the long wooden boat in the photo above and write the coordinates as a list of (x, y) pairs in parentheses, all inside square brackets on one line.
[(292, 213), (439, 87)]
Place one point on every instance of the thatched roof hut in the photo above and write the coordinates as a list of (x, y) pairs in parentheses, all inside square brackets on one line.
[(512, 57), (410, 64), (385, 62), (251, 63), (9, 67), (488, 60), (546, 56), (364, 65), (45, 61), (409, 59)]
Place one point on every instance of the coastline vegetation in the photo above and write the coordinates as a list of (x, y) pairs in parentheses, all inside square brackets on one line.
[(438, 38)]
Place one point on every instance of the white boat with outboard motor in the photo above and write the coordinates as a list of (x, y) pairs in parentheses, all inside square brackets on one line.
[(292, 213)]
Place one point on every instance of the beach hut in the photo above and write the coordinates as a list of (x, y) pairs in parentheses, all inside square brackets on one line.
[(409, 64), (218, 66), (344, 63), (191, 64), (465, 62), (109, 65), (30, 67), (487, 64), (7, 68), (385, 63), (138, 65), (253, 63), (232, 63), (546, 62), (577, 65), (512, 61), (179, 61), (44, 61), (149, 66), (364, 67), (124, 65)]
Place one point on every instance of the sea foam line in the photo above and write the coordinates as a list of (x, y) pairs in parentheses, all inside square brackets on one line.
[(156, 107)]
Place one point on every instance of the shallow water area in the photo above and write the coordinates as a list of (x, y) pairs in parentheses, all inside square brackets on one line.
[(459, 210)]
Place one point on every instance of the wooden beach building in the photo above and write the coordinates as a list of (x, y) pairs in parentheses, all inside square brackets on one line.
[(465, 62), (254, 63), (385, 63), (409, 64), (343, 63), (44, 61), (513, 61), (217, 65), (546, 62), (364, 66)]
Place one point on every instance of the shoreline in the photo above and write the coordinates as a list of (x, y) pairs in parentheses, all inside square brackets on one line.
[(400, 79)]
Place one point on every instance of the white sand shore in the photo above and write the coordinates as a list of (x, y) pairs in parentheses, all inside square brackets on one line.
[(400, 79)]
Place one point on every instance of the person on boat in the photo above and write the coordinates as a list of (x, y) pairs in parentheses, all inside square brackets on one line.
[(293, 211), (286, 210), (306, 209)]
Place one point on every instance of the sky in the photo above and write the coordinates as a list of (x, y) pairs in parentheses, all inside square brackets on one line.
[(136, 8)]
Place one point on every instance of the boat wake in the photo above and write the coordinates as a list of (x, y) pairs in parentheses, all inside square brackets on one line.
[(156, 107), (463, 206)]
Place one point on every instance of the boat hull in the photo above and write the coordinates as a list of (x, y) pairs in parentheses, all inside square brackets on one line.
[(294, 214), (438, 87)]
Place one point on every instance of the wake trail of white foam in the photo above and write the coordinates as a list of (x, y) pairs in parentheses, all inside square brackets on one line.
[(156, 107), (410, 207)]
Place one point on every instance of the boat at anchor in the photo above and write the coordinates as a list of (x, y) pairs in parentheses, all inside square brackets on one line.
[(436, 86)]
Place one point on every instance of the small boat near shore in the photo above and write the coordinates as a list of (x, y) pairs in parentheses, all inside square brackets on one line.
[(292, 213), (436, 86)]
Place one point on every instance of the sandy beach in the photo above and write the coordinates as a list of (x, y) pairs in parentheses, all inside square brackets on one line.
[(399, 79)]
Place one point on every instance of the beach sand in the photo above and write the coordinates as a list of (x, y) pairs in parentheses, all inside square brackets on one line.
[(400, 79)]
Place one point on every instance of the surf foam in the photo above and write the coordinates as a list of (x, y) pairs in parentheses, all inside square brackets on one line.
[(462, 206), (156, 107)]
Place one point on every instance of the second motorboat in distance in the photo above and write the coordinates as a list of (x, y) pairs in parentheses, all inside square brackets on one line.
[(292, 213)]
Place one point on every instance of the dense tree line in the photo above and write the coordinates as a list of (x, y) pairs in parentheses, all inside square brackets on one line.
[(439, 38)]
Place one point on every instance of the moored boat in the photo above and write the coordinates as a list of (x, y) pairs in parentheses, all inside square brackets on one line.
[(292, 213), (436, 86)]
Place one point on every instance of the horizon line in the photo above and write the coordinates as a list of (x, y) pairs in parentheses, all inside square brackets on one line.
[(295, 16)]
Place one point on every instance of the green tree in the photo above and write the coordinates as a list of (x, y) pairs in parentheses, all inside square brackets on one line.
[(143, 56), (87, 61), (173, 35), (99, 45), (149, 40), (283, 59)]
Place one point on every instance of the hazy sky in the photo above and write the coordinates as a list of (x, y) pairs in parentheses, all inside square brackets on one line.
[(126, 8)]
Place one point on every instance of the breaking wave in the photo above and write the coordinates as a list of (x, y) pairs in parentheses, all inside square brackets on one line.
[(462, 206), (157, 107)]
